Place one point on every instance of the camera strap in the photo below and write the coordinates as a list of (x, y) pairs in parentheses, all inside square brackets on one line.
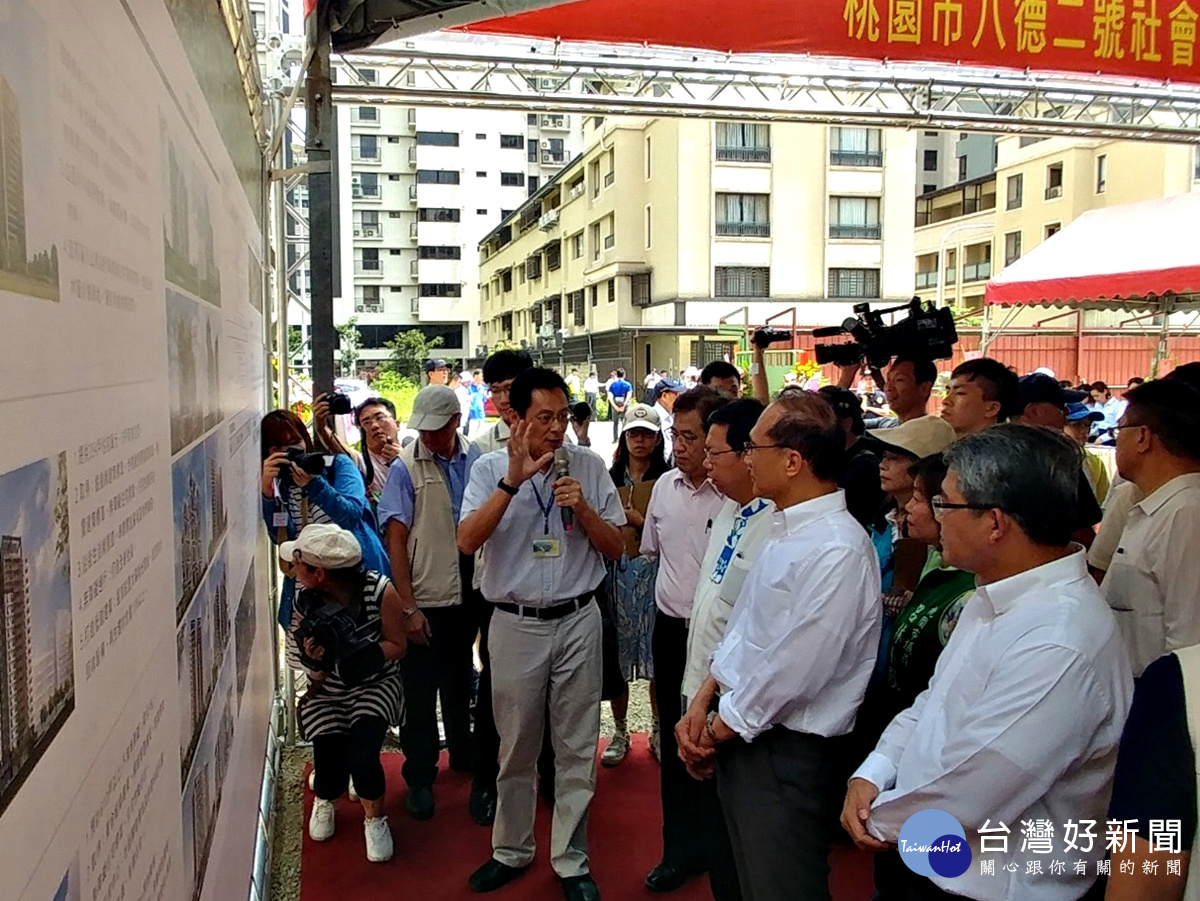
[(281, 534)]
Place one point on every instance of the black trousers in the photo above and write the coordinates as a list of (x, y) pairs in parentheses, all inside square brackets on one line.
[(781, 800), (896, 882), (683, 837), (443, 668), (355, 753)]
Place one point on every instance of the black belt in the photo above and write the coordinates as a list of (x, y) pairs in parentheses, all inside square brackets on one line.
[(554, 611)]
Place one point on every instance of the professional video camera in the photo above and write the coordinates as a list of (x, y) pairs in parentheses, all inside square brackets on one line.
[(926, 333), (347, 646)]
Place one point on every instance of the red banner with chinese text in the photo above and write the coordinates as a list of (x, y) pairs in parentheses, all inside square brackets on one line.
[(1149, 39)]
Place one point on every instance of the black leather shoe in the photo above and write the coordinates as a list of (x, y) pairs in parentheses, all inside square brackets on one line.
[(483, 805), (580, 888), (493, 875), (667, 877), (420, 802)]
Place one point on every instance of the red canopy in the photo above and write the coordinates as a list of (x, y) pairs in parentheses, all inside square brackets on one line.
[(1125, 256)]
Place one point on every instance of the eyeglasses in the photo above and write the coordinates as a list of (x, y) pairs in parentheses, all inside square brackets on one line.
[(941, 505), (381, 416), (1127, 425), (683, 437), (713, 453), (751, 448), (546, 418)]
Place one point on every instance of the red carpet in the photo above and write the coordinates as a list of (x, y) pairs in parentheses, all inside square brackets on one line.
[(434, 858)]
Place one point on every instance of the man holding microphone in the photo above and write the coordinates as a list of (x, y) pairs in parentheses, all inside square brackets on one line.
[(544, 636)]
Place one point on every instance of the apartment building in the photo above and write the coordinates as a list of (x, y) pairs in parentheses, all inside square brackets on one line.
[(1040, 185), (664, 230), (945, 158)]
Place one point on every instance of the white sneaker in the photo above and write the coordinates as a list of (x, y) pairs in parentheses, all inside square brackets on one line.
[(379, 839), (616, 750), (312, 778), (353, 793), (321, 822)]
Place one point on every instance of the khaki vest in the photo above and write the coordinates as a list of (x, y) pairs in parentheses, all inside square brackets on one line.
[(1189, 664), (432, 552)]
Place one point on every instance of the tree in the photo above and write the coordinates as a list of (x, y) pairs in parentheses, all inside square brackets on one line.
[(349, 340), (410, 350)]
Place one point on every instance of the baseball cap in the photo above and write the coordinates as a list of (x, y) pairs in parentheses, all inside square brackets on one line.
[(642, 416), (918, 437), (844, 401), (435, 364), (433, 407), (324, 545), (670, 384), (1039, 388), (1079, 411)]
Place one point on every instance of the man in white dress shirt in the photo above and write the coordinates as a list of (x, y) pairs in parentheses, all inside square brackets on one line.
[(1023, 715), (1153, 580), (791, 671)]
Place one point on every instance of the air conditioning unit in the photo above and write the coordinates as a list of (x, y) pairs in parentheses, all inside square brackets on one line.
[(274, 41), (548, 220), (548, 84), (546, 330), (564, 333), (481, 350), (358, 233), (355, 180), (369, 233)]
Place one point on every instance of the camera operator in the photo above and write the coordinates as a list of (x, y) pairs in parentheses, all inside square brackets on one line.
[(330, 491), (346, 716), (908, 385), (722, 376)]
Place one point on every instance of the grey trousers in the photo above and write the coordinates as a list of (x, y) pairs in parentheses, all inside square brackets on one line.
[(535, 661), (781, 796)]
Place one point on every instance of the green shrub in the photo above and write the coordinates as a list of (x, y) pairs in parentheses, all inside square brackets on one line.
[(399, 390)]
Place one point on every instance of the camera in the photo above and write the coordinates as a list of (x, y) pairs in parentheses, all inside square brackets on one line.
[(348, 647), (313, 464), (765, 337), (339, 404), (926, 333)]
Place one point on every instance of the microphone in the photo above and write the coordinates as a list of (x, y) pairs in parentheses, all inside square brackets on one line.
[(562, 467)]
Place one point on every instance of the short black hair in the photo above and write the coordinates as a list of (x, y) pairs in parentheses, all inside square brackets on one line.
[(374, 402), (1170, 408), (620, 373), (520, 395), (846, 404), (931, 471), (810, 426), (505, 364), (1188, 373), (1098, 386), (719, 369), (997, 382), (924, 370), (1135, 380), (701, 399), (739, 417)]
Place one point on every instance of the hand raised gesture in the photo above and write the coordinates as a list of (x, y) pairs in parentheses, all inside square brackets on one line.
[(522, 467)]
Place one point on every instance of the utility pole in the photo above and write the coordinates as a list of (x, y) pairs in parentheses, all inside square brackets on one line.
[(318, 104)]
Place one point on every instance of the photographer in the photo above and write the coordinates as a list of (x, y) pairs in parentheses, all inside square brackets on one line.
[(908, 385), (352, 632), (300, 487), (380, 443)]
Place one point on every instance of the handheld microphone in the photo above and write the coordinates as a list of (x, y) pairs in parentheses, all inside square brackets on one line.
[(562, 467)]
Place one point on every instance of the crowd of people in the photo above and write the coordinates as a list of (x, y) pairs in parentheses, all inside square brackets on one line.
[(848, 613)]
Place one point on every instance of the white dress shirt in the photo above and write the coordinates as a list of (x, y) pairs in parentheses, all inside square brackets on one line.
[(494, 438), (802, 639), (1153, 580), (678, 522), (1121, 497), (667, 422), (733, 544), (511, 572), (1020, 721)]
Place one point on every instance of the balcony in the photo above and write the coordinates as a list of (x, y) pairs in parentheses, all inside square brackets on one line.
[(369, 306), (412, 157), (368, 231), (367, 267), (553, 157), (974, 272), (744, 229), (413, 231), (576, 191), (856, 159), (951, 276), (744, 154), (548, 220), (364, 192), (414, 267), (412, 120), (855, 232), (926, 280), (556, 123), (412, 193)]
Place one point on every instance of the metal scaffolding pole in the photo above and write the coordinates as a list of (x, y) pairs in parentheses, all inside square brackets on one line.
[(318, 103)]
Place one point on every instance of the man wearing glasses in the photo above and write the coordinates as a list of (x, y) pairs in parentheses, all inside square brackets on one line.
[(787, 679), (499, 370), (1023, 715), (678, 523), (541, 572)]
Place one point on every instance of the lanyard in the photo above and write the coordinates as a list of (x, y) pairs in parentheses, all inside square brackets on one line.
[(546, 508)]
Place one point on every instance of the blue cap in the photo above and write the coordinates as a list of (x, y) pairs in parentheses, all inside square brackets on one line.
[(1078, 411)]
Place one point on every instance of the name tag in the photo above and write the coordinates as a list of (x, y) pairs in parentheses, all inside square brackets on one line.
[(279, 521), (547, 547)]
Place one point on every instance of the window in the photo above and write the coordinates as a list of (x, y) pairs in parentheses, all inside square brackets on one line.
[(647, 227), (367, 147), (393, 139), (506, 280), (1054, 181), (512, 142), (368, 261), (962, 168), (531, 119), (533, 267), (595, 236), (743, 215), (1026, 140), (437, 138), (931, 163), (368, 219), (437, 214), (441, 290), (479, 173), (369, 301), (856, 147), (1196, 165), (648, 170), (535, 182), (370, 76), (554, 256), (744, 142), (594, 175), (533, 149), (575, 305), (554, 152), (393, 214), (594, 291), (742, 281), (854, 217), (368, 185), (393, 176), (439, 252), (639, 288), (977, 262), (612, 290), (577, 246), (512, 179), (478, 212), (368, 114), (520, 273), (1012, 248), (1052, 229), (1101, 173), (928, 188), (1015, 187), (610, 173), (437, 177), (854, 283), (480, 136)]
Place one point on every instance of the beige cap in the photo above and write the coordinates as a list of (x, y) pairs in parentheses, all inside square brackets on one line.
[(919, 437), (433, 408), (324, 545), (642, 416)]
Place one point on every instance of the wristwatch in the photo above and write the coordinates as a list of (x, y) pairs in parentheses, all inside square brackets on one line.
[(507, 488), (708, 727)]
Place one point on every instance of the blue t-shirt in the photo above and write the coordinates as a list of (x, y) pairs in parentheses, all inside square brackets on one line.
[(620, 389)]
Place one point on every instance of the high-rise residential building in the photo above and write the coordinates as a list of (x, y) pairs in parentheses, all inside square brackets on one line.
[(1039, 186), (192, 559), (664, 230), (12, 182), (64, 655), (16, 659), (946, 158)]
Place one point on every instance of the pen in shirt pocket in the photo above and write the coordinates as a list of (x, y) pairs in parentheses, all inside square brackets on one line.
[(708, 527)]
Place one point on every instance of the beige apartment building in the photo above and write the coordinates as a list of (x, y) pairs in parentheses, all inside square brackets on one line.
[(1039, 186), (664, 232)]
